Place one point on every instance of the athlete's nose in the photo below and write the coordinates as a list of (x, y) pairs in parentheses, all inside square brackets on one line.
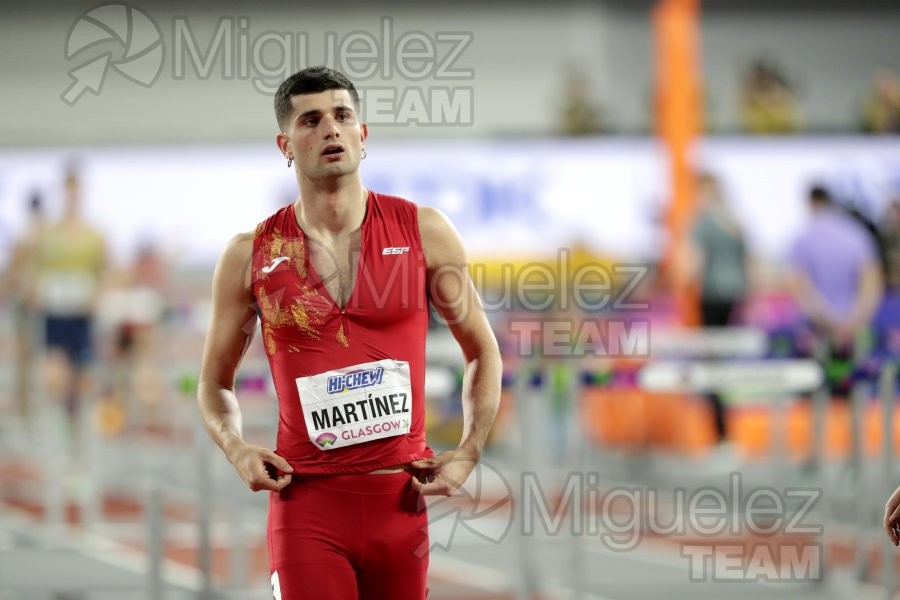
[(332, 130)]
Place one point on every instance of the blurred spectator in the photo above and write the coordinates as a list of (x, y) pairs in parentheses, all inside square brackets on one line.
[(837, 277), (767, 104), (19, 284), (70, 264), (721, 253), (133, 308), (721, 258), (579, 114), (145, 286), (890, 244), (881, 110)]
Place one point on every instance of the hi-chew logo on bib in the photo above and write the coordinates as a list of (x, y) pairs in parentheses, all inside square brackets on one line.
[(357, 404), (355, 380)]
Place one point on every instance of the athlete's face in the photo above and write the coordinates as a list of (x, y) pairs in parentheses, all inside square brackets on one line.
[(324, 135)]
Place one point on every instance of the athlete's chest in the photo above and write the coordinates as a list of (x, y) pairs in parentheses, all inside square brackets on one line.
[(371, 275), (335, 263)]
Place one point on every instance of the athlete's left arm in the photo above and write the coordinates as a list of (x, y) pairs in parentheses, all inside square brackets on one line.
[(453, 295)]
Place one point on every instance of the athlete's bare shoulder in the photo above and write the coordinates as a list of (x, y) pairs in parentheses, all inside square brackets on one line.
[(431, 218), (236, 259), (440, 240), (241, 241)]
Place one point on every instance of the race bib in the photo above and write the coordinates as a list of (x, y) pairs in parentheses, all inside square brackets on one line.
[(357, 404)]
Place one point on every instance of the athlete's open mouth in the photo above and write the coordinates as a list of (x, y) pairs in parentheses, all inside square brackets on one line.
[(332, 150)]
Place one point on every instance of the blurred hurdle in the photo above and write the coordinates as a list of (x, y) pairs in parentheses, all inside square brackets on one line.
[(850, 479), (527, 580), (541, 387), (681, 361), (210, 506), (777, 377), (137, 474)]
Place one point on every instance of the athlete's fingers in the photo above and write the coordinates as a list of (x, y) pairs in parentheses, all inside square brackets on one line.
[(283, 465), (260, 479), (425, 463), (438, 487), (422, 478), (279, 478), (435, 461), (892, 524), (434, 485), (267, 484), (282, 482), (892, 504), (891, 516), (889, 526)]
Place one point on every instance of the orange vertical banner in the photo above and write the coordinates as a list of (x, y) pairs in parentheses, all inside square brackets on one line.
[(676, 25)]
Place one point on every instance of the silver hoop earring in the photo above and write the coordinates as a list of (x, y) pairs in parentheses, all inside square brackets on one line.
[(290, 160), (363, 154)]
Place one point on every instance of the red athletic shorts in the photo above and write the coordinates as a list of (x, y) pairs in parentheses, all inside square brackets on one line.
[(348, 537)]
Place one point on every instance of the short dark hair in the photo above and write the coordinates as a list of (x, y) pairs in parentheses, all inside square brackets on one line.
[(35, 203), (310, 80), (819, 195)]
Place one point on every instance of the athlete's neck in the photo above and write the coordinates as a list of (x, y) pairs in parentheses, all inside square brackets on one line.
[(331, 209)]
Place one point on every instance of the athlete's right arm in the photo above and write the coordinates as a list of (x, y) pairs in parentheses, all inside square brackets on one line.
[(229, 335)]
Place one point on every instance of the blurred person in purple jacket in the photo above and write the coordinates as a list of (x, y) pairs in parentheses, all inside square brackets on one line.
[(836, 277)]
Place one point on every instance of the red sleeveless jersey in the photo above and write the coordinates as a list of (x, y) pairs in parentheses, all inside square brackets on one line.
[(306, 334)]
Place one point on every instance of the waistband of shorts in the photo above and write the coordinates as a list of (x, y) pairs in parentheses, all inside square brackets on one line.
[(356, 483)]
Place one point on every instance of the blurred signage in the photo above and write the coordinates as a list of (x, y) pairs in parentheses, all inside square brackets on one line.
[(510, 199)]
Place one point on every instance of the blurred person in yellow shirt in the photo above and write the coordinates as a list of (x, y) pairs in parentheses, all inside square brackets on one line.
[(70, 264)]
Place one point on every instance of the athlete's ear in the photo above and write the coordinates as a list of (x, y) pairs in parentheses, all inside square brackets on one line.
[(284, 145), (363, 133)]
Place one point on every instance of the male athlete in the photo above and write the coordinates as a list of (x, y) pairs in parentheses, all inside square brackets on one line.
[(341, 280)]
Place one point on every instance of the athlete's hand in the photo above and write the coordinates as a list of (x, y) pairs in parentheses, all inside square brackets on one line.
[(443, 474), (892, 517), (260, 468)]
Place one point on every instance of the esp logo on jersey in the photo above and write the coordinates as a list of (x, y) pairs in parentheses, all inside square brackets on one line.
[(395, 250)]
